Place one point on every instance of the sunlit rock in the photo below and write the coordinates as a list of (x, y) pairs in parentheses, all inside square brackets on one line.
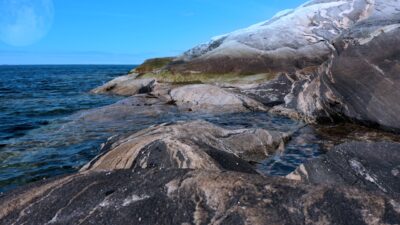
[(126, 85), (194, 145)]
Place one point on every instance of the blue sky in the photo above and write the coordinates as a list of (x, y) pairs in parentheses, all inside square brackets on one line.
[(129, 31)]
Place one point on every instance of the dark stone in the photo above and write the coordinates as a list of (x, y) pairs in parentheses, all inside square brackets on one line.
[(189, 197), (195, 145), (391, 216), (341, 210), (361, 81), (369, 166), (273, 92)]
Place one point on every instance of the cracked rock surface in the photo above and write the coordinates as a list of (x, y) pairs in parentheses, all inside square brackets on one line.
[(271, 46), (339, 61), (371, 166), (191, 197)]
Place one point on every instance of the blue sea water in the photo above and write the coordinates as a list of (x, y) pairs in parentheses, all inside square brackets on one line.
[(40, 138), (32, 97)]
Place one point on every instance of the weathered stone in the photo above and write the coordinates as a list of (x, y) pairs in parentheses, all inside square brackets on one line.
[(194, 145), (361, 80), (358, 41), (369, 166), (288, 112), (291, 40), (271, 93), (191, 197), (209, 98), (340, 133), (126, 85), (130, 108)]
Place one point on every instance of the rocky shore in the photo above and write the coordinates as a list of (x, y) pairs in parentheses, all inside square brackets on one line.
[(338, 66)]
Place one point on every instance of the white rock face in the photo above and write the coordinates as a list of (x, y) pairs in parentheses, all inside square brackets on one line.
[(304, 32)]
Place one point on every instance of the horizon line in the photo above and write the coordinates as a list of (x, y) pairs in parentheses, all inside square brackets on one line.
[(74, 64)]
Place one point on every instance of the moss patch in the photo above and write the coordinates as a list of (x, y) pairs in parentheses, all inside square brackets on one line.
[(151, 65), (167, 77)]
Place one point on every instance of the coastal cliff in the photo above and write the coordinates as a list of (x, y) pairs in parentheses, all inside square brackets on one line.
[(331, 65)]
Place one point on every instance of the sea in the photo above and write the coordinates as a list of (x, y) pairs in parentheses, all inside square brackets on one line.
[(38, 139)]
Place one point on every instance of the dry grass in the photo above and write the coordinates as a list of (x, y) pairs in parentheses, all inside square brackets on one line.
[(167, 77), (151, 65)]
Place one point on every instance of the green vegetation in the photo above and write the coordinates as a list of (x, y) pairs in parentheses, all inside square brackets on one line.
[(167, 77), (151, 65)]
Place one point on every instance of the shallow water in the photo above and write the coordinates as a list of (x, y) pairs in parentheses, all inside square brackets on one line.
[(42, 133), (33, 97)]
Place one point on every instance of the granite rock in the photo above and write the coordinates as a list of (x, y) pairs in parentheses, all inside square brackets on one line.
[(373, 166), (127, 85), (194, 145), (191, 197)]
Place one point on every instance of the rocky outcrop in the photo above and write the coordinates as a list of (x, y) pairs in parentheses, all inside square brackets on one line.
[(369, 166), (361, 81), (354, 40), (271, 46), (358, 82), (191, 197), (126, 85), (132, 108), (209, 98), (193, 145), (199, 173), (201, 98)]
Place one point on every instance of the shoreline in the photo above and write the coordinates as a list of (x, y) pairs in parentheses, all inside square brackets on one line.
[(196, 130)]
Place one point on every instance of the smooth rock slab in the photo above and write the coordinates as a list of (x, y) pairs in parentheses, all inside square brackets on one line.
[(209, 98), (370, 166), (194, 145), (126, 85), (291, 40), (191, 197)]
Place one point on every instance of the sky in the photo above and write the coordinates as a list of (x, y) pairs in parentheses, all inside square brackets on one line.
[(119, 31)]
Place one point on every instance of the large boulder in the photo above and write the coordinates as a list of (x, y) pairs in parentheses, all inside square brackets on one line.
[(369, 166), (191, 197), (292, 39), (126, 85), (194, 145), (210, 98)]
